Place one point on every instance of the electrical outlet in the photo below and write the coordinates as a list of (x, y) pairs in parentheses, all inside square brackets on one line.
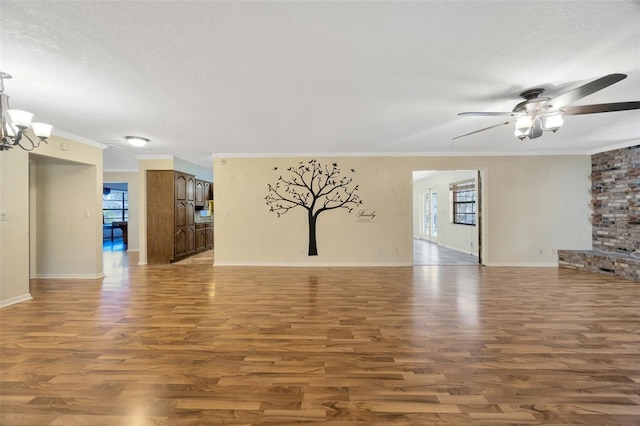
[(541, 251), (3, 215)]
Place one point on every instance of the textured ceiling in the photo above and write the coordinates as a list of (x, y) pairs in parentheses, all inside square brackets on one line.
[(203, 78)]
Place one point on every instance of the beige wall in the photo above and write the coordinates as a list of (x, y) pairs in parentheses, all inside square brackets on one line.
[(16, 240), (14, 232), (133, 227), (533, 206), (66, 215)]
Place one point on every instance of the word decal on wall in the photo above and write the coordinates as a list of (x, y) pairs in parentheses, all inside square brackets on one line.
[(316, 187)]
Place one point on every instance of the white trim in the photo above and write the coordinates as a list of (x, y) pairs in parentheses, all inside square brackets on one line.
[(120, 171), (614, 147), (15, 300), (313, 265), (79, 139), (397, 154), (458, 249), (70, 276), (154, 157)]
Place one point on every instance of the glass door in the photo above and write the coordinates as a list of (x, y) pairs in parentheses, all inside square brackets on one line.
[(434, 215), (426, 216), (429, 219)]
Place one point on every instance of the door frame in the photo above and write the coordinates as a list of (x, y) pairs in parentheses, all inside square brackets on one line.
[(481, 188)]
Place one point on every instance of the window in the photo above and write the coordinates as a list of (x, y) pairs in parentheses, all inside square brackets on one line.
[(115, 206), (464, 202)]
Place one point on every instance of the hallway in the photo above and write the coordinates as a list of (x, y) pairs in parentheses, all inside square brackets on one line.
[(426, 253)]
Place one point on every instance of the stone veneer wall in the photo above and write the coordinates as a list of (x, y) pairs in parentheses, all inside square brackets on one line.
[(615, 189)]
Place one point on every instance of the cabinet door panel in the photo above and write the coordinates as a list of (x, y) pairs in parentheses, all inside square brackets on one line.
[(191, 188), (181, 187), (200, 191), (200, 239), (191, 239), (208, 235), (182, 214), (207, 194), (191, 211), (180, 245)]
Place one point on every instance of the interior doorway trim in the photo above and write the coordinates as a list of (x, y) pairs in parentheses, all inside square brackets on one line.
[(448, 235)]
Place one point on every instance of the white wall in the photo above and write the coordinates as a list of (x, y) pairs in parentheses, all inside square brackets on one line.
[(133, 227), (463, 238), (533, 205)]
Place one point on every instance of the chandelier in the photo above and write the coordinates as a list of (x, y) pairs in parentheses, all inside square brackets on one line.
[(15, 124)]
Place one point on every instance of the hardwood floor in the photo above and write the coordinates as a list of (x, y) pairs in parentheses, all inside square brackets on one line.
[(428, 253), (197, 345)]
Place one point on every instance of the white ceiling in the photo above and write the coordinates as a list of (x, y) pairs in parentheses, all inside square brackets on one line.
[(203, 78)]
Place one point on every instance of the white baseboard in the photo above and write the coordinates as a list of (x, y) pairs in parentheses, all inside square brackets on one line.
[(313, 265), (70, 276), (15, 300)]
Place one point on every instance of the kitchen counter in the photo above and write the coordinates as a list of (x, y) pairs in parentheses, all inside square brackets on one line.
[(203, 219)]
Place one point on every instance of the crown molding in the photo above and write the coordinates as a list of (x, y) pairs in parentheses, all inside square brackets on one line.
[(80, 139)]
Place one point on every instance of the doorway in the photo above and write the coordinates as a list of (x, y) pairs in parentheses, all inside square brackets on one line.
[(115, 216), (447, 226)]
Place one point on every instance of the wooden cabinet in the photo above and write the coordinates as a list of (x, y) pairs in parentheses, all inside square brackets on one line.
[(204, 236), (208, 236), (184, 215), (203, 193), (201, 242), (199, 193), (170, 216), (208, 193)]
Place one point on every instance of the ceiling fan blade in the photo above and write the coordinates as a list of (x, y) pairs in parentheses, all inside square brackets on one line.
[(585, 90), (488, 113), (486, 128), (595, 108)]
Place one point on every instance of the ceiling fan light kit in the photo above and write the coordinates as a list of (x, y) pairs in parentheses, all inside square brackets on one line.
[(15, 124), (532, 126), (553, 122), (537, 114)]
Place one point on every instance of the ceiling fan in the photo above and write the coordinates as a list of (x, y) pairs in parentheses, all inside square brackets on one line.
[(538, 113)]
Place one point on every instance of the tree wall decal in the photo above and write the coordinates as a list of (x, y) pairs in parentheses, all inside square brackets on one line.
[(315, 187)]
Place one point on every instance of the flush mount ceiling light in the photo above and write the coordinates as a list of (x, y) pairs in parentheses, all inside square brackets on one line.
[(137, 141), (537, 113), (15, 124)]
